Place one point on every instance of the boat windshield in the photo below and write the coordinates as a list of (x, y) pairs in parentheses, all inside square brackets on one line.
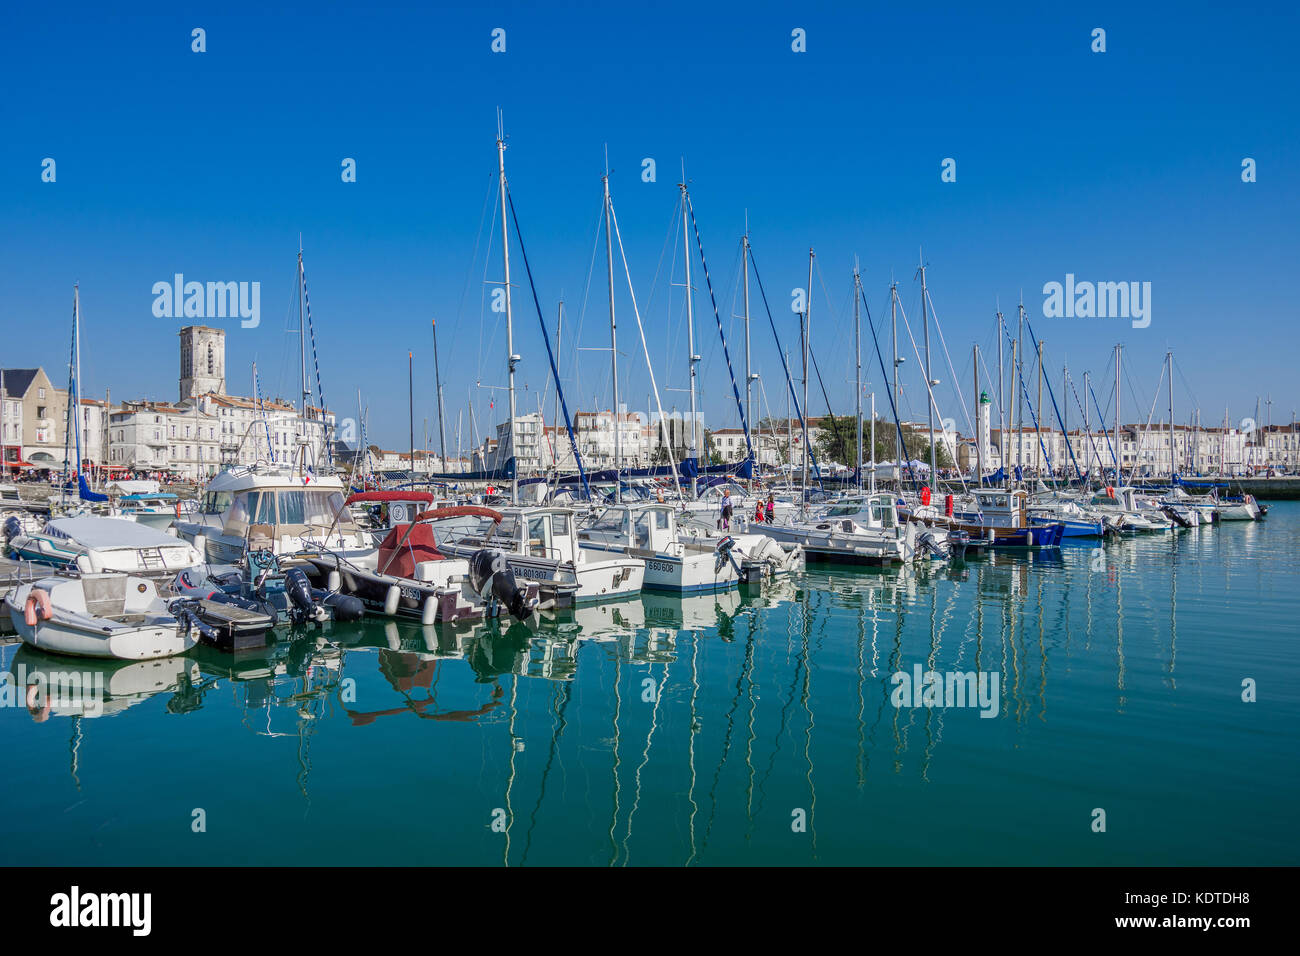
[(610, 521)]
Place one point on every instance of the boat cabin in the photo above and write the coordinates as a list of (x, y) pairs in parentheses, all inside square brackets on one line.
[(1001, 507), (649, 527)]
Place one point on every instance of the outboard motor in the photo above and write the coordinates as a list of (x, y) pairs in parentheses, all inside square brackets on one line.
[(12, 529), (490, 576), (298, 588), (722, 554)]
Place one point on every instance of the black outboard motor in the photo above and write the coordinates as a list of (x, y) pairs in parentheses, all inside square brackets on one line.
[(490, 576), (12, 528), (298, 588)]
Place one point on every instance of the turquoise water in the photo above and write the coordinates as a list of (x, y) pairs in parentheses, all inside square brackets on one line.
[(702, 731)]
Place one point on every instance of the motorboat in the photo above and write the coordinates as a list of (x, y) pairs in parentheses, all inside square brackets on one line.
[(157, 510), (92, 543), (859, 529), (413, 575), (102, 615), (760, 556), (648, 533), (543, 545), (1001, 516), (268, 508)]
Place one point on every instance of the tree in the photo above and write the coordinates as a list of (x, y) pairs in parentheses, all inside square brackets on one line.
[(838, 442)]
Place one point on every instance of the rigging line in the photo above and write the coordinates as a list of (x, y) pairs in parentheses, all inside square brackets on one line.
[(1051, 393), (487, 259), (1111, 448), (1083, 415), (803, 422), (839, 442), (320, 389), (568, 422), (898, 425), (469, 270), (939, 328), (726, 353), (663, 424), (582, 309)]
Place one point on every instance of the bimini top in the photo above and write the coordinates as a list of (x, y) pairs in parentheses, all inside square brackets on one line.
[(109, 534)]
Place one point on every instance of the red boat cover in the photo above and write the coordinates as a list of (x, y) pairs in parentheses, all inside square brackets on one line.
[(420, 546)]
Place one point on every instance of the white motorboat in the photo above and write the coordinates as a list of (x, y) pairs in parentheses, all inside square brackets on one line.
[(273, 509), (92, 544), (860, 529), (760, 555), (101, 615), (648, 533), (157, 510), (542, 545)]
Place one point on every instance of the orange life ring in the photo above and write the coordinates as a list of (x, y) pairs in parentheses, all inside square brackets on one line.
[(37, 598)]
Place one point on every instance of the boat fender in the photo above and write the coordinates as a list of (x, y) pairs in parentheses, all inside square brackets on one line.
[(333, 581), (391, 598), (429, 613), (200, 543), (947, 505), (925, 495), (38, 605)]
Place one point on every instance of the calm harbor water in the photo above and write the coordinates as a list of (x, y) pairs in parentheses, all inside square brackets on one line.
[(702, 731)]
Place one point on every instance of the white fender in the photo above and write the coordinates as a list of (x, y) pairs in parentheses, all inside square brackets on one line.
[(391, 598), (429, 613), (333, 581)]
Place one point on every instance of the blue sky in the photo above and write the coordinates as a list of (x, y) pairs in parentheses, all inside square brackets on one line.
[(1115, 166)]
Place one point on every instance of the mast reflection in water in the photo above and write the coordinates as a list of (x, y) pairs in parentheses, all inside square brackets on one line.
[(750, 727)]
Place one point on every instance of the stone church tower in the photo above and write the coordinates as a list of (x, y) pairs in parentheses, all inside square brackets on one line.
[(203, 361)]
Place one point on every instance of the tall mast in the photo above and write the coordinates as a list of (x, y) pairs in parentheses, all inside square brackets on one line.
[(302, 340), (1119, 446), (410, 394), (893, 323), (929, 379), (1002, 405), (979, 453), (749, 375), (511, 358), (559, 332), (873, 443), (74, 405), (1018, 370), (807, 347), (1038, 437), (789, 425), (613, 344), (442, 412), (857, 345), (1170, 358), (693, 449), (1087, 424)]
